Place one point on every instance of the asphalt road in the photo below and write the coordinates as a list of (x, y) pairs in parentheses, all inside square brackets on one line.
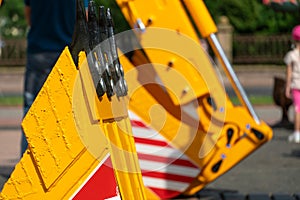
[(272, 169)]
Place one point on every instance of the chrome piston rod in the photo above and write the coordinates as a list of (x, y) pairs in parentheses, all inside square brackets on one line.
[(218, 50)]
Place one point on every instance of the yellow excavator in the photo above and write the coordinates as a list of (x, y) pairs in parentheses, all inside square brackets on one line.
[(176, 90), (170, 129)]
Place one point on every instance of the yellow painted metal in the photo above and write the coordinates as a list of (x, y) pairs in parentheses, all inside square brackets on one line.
[(175, 88), (201, 16), (168, 15), (151, 13), (144, 78), (204, 141), (112, 115), (56, 162), (67, 139), (26, 183)]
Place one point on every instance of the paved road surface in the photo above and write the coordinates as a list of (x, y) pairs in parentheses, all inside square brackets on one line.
[(274, 168)]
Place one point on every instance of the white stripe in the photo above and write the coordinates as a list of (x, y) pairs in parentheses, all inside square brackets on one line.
[(133, 116), (164, 151), (160, 151), (144, 132), (163, 184), (167, 152), (90, 176), (167, 168), (147, 133)]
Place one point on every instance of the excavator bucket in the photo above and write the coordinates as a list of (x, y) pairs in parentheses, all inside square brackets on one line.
[(187, 130), (80, 138)]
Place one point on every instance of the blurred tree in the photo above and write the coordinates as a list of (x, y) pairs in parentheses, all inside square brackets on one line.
[(246, 16), (119, 20), (252, 16), (12, 21)]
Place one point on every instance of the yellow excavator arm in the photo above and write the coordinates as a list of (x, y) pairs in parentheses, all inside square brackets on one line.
[(171, 130), (176, 90)]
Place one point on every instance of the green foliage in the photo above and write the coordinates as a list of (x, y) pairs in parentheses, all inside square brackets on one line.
[(251, 16), (255, 100), (12, 21), (119, 20), (246, 16)]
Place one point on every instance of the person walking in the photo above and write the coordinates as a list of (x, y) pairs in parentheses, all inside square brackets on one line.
[(292, 90)]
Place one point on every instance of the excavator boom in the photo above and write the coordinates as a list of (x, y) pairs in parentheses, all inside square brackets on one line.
[(170, 129)]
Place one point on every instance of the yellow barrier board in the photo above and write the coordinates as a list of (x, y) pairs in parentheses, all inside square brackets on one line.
[(71, 148)]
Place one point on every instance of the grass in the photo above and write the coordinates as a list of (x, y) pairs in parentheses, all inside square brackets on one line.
[(11, 100), (261, 100), (255, 100)]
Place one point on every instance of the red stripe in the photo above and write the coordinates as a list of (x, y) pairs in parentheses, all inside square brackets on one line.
[(152, 142), (167, 177), (173, 161), (136, 123), (101, 185)]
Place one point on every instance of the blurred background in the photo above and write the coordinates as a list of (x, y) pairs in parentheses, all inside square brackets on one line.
[(255, 34), (252, 22)]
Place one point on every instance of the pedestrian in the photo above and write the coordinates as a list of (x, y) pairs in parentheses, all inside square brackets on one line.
[(51, 26), (292, 61)]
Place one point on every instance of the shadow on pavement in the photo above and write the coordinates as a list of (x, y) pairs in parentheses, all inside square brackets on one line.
[(223, 194), (296, 153), (283, 124)]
